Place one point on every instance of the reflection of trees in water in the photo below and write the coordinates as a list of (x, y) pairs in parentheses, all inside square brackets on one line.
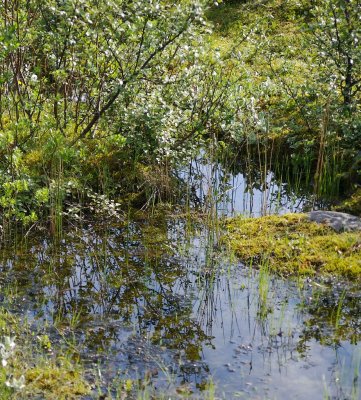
[(332, 316), (102, 283), (132, 302), (252, 181)]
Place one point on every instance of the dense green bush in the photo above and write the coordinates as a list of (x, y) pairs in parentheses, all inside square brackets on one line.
[(91, 89)]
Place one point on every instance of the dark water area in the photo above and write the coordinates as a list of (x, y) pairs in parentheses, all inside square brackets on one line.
[(158, 300)]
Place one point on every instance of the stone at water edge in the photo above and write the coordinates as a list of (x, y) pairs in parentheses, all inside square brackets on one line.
[(339, 221)]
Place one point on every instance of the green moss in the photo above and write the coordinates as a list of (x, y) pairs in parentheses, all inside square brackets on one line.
[(41, 373), (62, 381), (291, 244)]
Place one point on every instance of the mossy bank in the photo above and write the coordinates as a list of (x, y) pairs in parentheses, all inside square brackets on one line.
[(291, 244), (31, 367)]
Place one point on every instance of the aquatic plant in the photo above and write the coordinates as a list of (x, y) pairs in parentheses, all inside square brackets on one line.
[(263, 289)]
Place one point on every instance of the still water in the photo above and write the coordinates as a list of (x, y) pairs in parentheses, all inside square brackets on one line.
[(158, 299)]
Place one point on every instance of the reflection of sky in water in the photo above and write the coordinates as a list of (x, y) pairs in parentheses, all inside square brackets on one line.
[(261, 358), (147, 313), (256, 358), (241, 194)]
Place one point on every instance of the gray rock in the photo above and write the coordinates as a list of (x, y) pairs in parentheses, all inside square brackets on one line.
[(339, 221)]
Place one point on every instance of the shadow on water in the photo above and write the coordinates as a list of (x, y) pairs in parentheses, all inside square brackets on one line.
[(158, 300)]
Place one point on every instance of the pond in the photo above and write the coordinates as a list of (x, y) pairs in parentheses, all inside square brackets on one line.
[(237, 190), (157, 299)]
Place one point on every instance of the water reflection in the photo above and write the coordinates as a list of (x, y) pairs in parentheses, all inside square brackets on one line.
[(161, 301), (244, 189)]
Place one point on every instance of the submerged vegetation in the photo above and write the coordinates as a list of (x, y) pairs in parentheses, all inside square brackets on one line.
[(291, 244)]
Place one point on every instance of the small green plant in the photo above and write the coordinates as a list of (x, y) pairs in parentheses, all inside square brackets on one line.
[(263, 289)]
